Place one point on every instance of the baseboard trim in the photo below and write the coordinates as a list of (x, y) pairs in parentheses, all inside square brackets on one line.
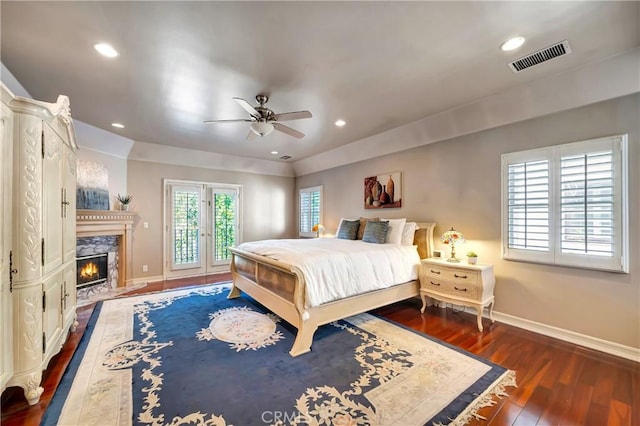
[(147, 280), (601, 345)]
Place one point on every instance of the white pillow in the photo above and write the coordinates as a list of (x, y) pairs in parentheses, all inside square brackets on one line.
[(408, 232), (396, 226)]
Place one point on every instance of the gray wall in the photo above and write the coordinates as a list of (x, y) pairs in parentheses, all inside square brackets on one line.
[(457, 183), (268, 206)]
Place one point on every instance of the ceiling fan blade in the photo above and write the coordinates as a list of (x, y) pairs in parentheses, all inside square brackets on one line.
[(247, 106), (237, 120), (251, 136), (288, 130), (296, 115)]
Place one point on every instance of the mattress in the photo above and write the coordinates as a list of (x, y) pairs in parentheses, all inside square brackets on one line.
[(334, 268)]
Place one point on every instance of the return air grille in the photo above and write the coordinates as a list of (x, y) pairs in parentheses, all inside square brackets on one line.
[(546, 54)]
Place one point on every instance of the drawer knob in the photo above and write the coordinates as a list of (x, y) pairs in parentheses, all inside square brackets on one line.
[(436, 284), (435, 272), (460, 289), (460, 276)]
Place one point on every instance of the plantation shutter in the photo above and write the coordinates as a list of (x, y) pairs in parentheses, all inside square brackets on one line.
[(528, 200), (310, 210), (587, 204), (568, 204)]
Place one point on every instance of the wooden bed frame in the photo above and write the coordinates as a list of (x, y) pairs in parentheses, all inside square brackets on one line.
[(281, 288)]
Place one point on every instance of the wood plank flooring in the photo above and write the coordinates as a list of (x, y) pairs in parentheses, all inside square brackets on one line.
[(558, 383)]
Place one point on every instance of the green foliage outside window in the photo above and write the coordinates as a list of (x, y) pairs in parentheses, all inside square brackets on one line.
[(225, 225)]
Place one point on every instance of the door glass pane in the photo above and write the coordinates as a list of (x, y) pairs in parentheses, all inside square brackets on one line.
[(186, 226), (224, 224)]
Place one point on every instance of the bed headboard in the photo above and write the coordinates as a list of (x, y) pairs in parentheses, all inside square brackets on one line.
[(424, 239)]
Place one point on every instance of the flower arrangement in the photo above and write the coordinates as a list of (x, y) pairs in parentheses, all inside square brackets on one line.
[(317, 228)]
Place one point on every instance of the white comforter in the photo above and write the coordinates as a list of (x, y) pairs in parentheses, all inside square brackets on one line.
[(335, 268)]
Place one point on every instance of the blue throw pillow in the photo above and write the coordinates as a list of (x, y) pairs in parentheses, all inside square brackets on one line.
[(375, 232), (348, 229)]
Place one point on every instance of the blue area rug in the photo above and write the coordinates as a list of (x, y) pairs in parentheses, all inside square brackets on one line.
[(193, 357)]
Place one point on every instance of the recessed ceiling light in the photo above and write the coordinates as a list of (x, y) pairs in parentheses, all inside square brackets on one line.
[(340, 123), (118, 125), (106, 50), (274, 152), (512, 43)]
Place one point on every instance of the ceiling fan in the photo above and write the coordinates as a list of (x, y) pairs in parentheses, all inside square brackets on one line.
[(264, 121)]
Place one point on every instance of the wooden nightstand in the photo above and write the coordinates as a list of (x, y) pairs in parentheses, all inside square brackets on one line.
[(458, 283)]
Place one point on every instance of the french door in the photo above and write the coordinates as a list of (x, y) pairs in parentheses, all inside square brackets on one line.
[(202, 222)]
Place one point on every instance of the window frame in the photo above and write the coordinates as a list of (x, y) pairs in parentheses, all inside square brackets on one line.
[(308, 190), (618, 261)]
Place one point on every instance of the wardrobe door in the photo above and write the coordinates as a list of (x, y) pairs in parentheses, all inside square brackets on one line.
[(52, 199), (6, 311)]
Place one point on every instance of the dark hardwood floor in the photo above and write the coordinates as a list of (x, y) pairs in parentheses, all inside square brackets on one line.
[(558, 383)]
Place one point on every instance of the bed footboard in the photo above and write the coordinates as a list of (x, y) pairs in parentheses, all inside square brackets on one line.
[(281, 288), (277, 286)]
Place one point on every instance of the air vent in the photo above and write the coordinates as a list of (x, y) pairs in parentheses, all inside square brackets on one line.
[(285, 157), (544, 55)]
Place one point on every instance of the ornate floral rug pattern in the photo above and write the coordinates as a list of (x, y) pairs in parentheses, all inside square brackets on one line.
[(193, 357)]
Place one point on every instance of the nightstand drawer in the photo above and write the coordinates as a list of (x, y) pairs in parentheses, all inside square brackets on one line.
[(468, 291), (453, 275)]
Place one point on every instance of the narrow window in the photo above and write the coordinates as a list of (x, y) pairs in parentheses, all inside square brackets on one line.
[(310, 207)]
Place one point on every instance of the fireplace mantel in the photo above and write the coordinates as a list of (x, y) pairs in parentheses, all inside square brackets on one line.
[(96, 223)]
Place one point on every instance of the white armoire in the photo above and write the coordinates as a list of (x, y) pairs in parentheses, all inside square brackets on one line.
[(38, 193)]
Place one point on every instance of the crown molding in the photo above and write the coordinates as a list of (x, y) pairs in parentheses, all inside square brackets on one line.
[(154, 153)]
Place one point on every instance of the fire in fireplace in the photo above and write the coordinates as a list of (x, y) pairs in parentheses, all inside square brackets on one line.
[(92, 270)]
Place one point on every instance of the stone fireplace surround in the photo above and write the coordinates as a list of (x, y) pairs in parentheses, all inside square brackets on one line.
[(95, 223)]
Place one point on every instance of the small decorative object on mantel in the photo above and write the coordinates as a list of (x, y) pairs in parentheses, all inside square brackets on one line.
[(318, 228), (472, 257), (383, 192), (452, 237), (124, 201)]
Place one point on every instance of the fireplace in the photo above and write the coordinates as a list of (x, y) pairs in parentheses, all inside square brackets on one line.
[(101, 223), (91, 270)]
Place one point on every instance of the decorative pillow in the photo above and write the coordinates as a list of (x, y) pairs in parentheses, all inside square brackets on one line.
[(342, 219), (408, 233), (396, 226), (348, 229), (363, 223), (375, 231)]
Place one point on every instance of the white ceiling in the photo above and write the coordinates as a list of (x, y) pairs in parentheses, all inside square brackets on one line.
[(377, 65)]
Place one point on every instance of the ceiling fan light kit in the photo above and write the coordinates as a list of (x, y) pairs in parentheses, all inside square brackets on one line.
[(261, 128), (264, 121)]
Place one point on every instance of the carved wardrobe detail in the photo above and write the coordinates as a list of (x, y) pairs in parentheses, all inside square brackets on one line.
[(38, 306)]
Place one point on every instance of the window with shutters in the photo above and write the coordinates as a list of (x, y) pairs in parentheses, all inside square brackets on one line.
[(310, 207), (567, 205)]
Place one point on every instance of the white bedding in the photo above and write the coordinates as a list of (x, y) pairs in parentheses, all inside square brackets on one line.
[(334, 268)]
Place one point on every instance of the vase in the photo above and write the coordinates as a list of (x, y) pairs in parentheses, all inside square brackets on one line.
[(384, 197), (376, 190), (124, 207), (390, 189)]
